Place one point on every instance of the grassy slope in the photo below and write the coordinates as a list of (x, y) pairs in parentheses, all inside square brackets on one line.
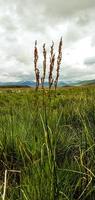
[(51, 139)]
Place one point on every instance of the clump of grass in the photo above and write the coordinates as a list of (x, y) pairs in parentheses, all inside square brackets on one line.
[(52, 142)]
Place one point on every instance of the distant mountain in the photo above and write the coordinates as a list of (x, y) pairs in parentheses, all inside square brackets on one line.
[(80, 83), (28, 83), (19, 84), (87, 82), (60, 83)]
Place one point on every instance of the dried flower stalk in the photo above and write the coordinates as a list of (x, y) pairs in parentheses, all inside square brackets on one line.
[(5, 181), (44, 66), (59, 58), (52, 60), (37, 74)]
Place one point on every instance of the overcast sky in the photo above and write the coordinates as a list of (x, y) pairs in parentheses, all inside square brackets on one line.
[(24, 21)]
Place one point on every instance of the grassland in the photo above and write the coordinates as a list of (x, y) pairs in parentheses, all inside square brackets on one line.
[(50, 138)]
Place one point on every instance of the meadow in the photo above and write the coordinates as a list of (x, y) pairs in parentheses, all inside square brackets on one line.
[(47, 140)]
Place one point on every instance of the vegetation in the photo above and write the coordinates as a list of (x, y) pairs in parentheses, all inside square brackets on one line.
[(50, 139), (51, 79)]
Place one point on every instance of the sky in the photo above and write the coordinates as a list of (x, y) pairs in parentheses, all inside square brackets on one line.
[(24, 21)]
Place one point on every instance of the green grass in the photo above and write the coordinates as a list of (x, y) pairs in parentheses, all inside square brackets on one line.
[(50, 138)]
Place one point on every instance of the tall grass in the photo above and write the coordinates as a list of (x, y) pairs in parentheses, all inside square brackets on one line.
[(52, 143)]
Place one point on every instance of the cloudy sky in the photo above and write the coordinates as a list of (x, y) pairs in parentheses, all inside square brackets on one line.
[(24, 21)]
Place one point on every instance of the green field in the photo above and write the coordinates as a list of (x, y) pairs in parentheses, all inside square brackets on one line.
[(50, 138)]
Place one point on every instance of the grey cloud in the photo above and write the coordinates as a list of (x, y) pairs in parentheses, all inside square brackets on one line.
[(8, 23), (22, 15), (93, 41), (21, 54), (15, 74), (35, 14), (22, 76), (66, 8), (73, 33), (83, 18), (75, 73), (90, 61)]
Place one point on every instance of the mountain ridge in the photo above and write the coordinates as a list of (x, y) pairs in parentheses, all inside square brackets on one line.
[(60, 83)]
